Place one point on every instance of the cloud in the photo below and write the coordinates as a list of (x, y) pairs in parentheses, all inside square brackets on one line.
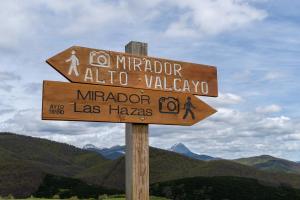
[(6, 87), (269, 109), (22, 20), (82, 17), (7, 78), (272, 75), (291, 137), (77, 133), (33, 88), (5, 109), (211, 17), (225, 99), (16, 21), (245, 57), (231, 134)]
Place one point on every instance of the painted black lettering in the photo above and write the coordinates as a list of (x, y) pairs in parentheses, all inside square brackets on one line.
[(124, 111), (96, 109), (56, 109), (134, 98), (134, 111), (145, 99), (99, 95), (87, 109), (110, 96), (88, 95), (111, 109), (141, 112), (75, 108), (148, 112), (121, 97)]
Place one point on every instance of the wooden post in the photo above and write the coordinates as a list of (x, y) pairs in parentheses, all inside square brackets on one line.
[(137, 147)]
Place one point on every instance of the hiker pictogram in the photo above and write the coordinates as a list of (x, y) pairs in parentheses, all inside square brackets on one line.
[(188, 108), (74, 62)]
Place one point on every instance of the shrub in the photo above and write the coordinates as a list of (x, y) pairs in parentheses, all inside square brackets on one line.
[(74, 198), (101, 197), (56, 196), (10, 196), (117, 196)]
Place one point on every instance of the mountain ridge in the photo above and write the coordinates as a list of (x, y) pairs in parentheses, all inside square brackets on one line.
[(261, 162), (270, 163), (28, 159), (118, 151), (111, 153), (184, 150)]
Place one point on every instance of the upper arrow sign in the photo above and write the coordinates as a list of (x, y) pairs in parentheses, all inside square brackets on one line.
[(85, 65), (82, 102)]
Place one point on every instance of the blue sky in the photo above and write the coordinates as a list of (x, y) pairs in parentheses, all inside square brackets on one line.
[(254, 44)]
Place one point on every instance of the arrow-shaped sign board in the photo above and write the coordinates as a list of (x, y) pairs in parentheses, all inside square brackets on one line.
[(93, 66), (85, 102)]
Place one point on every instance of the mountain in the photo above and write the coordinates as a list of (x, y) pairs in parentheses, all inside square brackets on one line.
[(269, 163), (112, 153), (116, 152), (89, 146), (26, 162), (166, 165), (182, 149)]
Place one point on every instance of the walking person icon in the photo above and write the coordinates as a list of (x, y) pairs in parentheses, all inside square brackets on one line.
[(188, 108), (74, 62)]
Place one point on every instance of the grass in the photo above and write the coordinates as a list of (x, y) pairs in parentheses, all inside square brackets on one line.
[(109, 198)]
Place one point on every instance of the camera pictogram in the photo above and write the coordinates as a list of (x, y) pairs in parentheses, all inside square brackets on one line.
[(169, 105), (99, 59)]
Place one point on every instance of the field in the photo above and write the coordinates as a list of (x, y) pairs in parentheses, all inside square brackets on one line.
[(75, 198)]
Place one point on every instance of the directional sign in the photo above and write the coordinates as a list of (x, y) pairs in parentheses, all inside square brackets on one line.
[(93, 66), (85, 102)]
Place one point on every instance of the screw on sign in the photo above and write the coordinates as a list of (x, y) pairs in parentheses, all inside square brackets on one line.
[(85, 65)]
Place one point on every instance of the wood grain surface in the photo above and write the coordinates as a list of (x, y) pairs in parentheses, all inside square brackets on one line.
[(94, 66), (85, 102), (137, 146)]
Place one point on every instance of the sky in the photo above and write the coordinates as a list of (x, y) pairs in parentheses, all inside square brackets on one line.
[(255, 45)]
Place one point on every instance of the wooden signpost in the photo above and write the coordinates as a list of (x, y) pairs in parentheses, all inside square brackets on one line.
[(83, 102), (129, 88), (93, 66), (137, 146)]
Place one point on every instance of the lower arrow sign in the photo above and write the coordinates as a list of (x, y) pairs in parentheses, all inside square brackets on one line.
[(85, 102)]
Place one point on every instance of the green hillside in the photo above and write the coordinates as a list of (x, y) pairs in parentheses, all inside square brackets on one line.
[(65, 188), (270, 163), (25, 162), (165, 165), (222, 188)]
